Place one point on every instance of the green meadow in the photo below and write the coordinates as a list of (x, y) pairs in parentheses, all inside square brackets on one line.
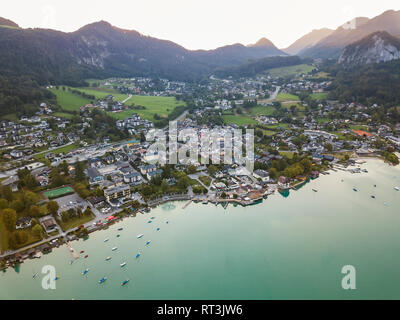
[(291, 70), (68, 100), (239, 120), (287, 97), (320, 96), (162, 106)]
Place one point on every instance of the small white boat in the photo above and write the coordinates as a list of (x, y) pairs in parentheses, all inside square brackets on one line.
[(35, 275), (115, 248), (396, 188), (123, 264), (108, 258), (105, 240), (139, 236)]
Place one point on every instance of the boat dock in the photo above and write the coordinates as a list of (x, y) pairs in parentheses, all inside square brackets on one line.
[(187, 204), (74, 254)]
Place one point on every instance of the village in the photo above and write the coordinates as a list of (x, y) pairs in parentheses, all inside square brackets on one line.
[(78, 184)]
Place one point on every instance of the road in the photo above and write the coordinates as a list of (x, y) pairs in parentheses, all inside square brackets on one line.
[(130, 96), (274, 95)]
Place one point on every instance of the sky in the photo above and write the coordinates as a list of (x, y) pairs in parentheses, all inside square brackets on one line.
[(197, 24)]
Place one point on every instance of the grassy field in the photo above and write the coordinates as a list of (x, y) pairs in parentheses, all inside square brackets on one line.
[(287, 97), (319, 96), (162, 106), (288, 154), (64, 150), (55, 193), (67, 100), (76, 222), (291, 70), (259, 110), (239, 120)]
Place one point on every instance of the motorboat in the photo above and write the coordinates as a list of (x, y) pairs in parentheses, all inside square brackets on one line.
[(85, 271), (315, 190), (158, 229), (102, 280), (115, 248), (396, 188), (120, 229), (123, 264), (86, 256), (108, 258), (138, 255), (124, 282), (148, 242), (354, 189), (105, 240), (139, 236)]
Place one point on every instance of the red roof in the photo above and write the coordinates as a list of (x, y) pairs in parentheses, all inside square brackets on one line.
[(110, 218), (362, 133)]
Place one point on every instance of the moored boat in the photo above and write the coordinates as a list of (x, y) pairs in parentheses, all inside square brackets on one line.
[(123, 264), (102, 280), (115, 248), (124, 282), (139, 236), (138, 255), (397, 188), (108, 258), (85, 271)]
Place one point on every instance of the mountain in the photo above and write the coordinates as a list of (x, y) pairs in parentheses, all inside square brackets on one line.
[(102, 50), (8, 23), (352, 31), (308, 41), (376, 48)]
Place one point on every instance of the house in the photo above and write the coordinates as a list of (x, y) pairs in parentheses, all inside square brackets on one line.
[(49, 224), (283, 182), (261, 174), (94, 175), (118, 192), (132, 177), (150, 175), (24, 222), (148, 168)]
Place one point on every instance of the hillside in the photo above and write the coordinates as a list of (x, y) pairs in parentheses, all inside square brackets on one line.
[(332, 45), (308, 41), (376, 48), (255, 67), (101, 50)]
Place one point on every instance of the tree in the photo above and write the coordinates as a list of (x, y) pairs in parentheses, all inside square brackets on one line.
[(34, 211), (3, 204), (9, 218), (64, 216), (212, 169), (191, 169), (329, 147), (7, 193), (37, 230), (52, 207), (223, 195), (29, 199), (88, 212), (164, 186)]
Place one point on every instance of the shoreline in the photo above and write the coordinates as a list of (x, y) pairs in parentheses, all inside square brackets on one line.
[(20, 257)]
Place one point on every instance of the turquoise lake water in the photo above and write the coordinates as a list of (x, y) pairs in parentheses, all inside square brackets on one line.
[(283, 248)]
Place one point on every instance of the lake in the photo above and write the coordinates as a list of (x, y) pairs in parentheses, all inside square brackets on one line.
[(284, 248)]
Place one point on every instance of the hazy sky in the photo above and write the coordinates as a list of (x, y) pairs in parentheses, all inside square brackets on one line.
[(197, 24)]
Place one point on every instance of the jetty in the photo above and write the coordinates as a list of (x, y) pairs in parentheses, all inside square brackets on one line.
[(187, 204), (74, 254)]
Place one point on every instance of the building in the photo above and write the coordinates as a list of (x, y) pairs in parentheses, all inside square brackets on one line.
[(148, 168), (152, 174), (119, 192), (132, 177), (49, 224), (261, 174), (94, 175)]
